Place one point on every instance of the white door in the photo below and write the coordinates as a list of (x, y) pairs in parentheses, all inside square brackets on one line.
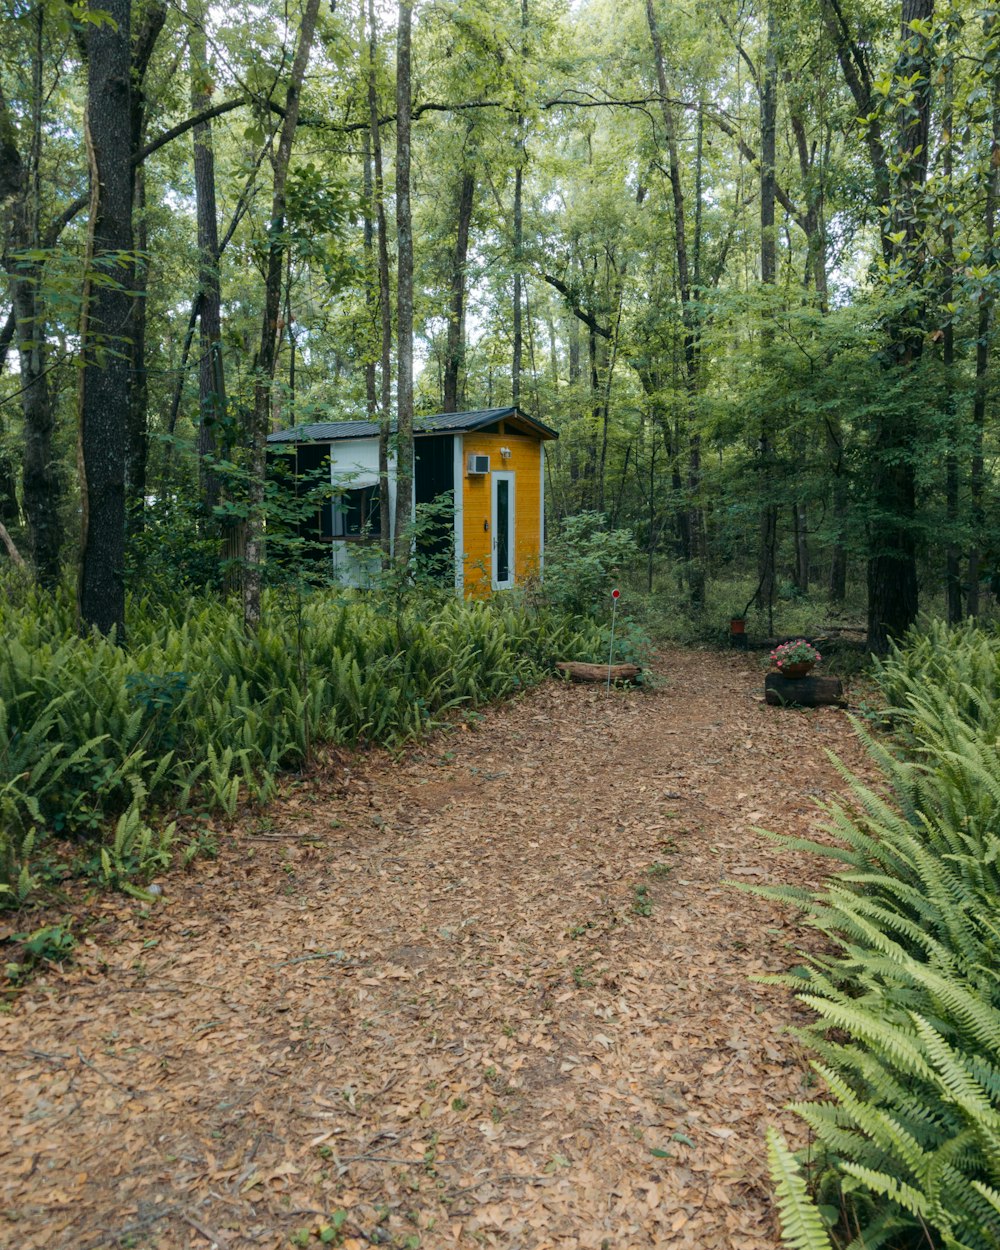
[(503, 531)]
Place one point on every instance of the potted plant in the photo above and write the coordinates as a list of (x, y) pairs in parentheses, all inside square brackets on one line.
[(795, 659)]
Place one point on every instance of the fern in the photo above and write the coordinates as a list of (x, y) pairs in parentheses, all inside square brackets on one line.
[(909, 1136)]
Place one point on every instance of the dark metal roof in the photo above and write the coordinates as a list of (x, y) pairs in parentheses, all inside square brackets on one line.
[(438, 423)]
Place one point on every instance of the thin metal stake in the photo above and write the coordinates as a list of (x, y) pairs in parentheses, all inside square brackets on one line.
[(611, 652)]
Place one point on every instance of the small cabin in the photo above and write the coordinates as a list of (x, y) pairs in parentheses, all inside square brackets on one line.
[(487, 467)]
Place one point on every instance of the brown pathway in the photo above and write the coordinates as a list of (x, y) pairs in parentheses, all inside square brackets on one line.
[(427, 994)]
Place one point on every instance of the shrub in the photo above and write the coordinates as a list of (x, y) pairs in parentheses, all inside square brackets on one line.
[(581, 562)]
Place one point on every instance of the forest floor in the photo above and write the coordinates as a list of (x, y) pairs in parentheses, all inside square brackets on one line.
[(494, 992)]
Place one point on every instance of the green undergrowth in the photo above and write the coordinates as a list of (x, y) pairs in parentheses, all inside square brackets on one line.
[(905, 1148), (101, 744)]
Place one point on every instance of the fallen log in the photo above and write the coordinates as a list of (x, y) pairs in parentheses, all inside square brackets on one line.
[(575, 670), (782, 691)]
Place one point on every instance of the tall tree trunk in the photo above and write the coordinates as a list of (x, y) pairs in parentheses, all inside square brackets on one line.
[(766, 557), (695, 523), (515, 381), (985, 325), (107, 328), (9, 511), (953, 550), (800, 521), (153, 16), (211, 375), (264, 361), (137, 451), (837, 584), (518, 225), (41, 480), (404, 289), (384, 296), (892, 566), (455, 350)]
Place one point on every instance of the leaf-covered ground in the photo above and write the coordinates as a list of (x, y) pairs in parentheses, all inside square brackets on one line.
[(495, 993)]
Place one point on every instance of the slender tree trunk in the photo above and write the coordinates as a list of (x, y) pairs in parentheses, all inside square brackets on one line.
[(574, 351), (107, 328), (384, 296), (596, 359), (138, 400), (9, 511), (371, 278), (766, 566), (404, 289), (266, 354), (211, 374), (518, 224), (953, 551), (455, 349), (984, 331), (515, 383), (153, 16), (695, 521), (41, 480), (800, 521), (837, 584)]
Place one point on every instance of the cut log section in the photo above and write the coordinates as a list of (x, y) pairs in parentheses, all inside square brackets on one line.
[(803, 691), (577, 671)]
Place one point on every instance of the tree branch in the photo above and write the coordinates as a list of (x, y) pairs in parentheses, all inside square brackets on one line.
[(587, 318), (781, 195), (51, 236), (12, 551)]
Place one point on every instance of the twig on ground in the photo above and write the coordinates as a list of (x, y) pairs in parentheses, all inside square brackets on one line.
[(215, 1239)]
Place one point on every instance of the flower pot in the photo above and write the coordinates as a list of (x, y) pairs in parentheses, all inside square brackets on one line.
[(801, 669), (738, 625)]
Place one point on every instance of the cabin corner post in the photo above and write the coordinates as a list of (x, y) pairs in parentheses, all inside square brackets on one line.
[(459, 511), (541, 509)]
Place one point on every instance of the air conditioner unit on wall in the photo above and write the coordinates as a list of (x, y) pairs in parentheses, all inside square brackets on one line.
[(477, 465)]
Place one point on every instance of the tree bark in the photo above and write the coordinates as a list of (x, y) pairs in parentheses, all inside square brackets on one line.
[(264, 361), (577, 670), (144, 41), (404, 289), (107, 322), (984, 329), (766, 558), (892, 566), (953, 549), (837, 583), (518, 333), (211, 375), (695, 522), (384, 296), (455, 349), (42, 484), (782, 691)]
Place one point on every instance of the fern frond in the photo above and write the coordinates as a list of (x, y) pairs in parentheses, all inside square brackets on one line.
[(802, 1226)]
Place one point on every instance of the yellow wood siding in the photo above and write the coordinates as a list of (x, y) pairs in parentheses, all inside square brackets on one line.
[(525, 463)]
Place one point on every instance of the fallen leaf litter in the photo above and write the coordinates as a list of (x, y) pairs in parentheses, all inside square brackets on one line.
[(493, 993)]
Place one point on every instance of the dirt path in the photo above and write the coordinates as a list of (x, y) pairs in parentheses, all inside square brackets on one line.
[(446, 996)]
